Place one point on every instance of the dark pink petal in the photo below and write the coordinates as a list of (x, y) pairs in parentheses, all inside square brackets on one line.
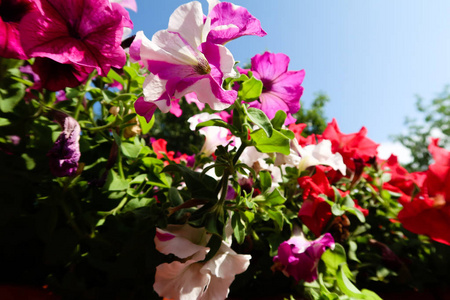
[(300, 257), (87, 33), (55, 76), (229, 21), (144, 108), (175, 109), (11, 12), (268, 66), (125, 15)]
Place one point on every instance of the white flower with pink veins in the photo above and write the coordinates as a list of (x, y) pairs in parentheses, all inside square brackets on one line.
[(190, 277)]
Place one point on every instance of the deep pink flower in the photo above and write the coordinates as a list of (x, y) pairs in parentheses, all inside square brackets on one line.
[(229, 21), (65, 153), (300, 258), (281, 88), (11, 12), (84, 35)]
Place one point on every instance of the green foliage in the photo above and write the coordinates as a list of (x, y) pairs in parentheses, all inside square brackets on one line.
[(435, 119)]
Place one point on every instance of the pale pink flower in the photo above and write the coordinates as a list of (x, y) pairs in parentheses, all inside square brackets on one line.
[(190, 277), (214, 135)]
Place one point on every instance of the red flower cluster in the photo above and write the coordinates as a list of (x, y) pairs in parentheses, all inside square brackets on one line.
[(428, 212)]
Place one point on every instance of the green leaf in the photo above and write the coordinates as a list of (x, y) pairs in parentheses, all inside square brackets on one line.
[(352, 247), (11, 95), (215, 122), (115, 183), (369, 295), (200, 186), (130, 150), (276, 143), (250, 89), (72, 93), (131, 72), (175, 197), (336, 210), (278, 120), (146, 126), (4, 122), (258, 117), (357, 213), (238, 227), (265, 179), (114, 76), (29, 162), (346, 285), (287, 133), (333, 258), (275, 198), (277, 216)]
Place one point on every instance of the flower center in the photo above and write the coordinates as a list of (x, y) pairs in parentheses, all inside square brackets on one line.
[(267, 84), (203, 67), (13, 11)]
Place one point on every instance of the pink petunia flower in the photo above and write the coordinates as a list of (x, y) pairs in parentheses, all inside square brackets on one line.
[(11, 12), (300, 258), (181, 62), (73, 37), (189, 277), (188, 57), (282, 89)]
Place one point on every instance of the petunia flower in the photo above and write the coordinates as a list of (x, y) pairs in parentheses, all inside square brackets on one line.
[(312, 155), (65, 153), (281, 88), (315, 212), (352, 146), (214, 135), (429, 212), (11, 12), (229, 21), (300, 258), (79, 35), (189, 277), (181, 61)]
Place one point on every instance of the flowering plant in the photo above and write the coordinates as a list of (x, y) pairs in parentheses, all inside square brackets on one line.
[(95, 204)]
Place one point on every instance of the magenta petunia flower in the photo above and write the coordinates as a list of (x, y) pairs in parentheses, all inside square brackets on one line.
[(299, 257), (281, 88), (229, 21), (11, 12), (84, 35), (181, 62), (65, 153)]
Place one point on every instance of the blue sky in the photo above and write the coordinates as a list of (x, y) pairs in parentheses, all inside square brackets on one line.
[(370, 57)]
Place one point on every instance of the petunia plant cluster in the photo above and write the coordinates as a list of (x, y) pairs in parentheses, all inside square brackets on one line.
[(95, 205)]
